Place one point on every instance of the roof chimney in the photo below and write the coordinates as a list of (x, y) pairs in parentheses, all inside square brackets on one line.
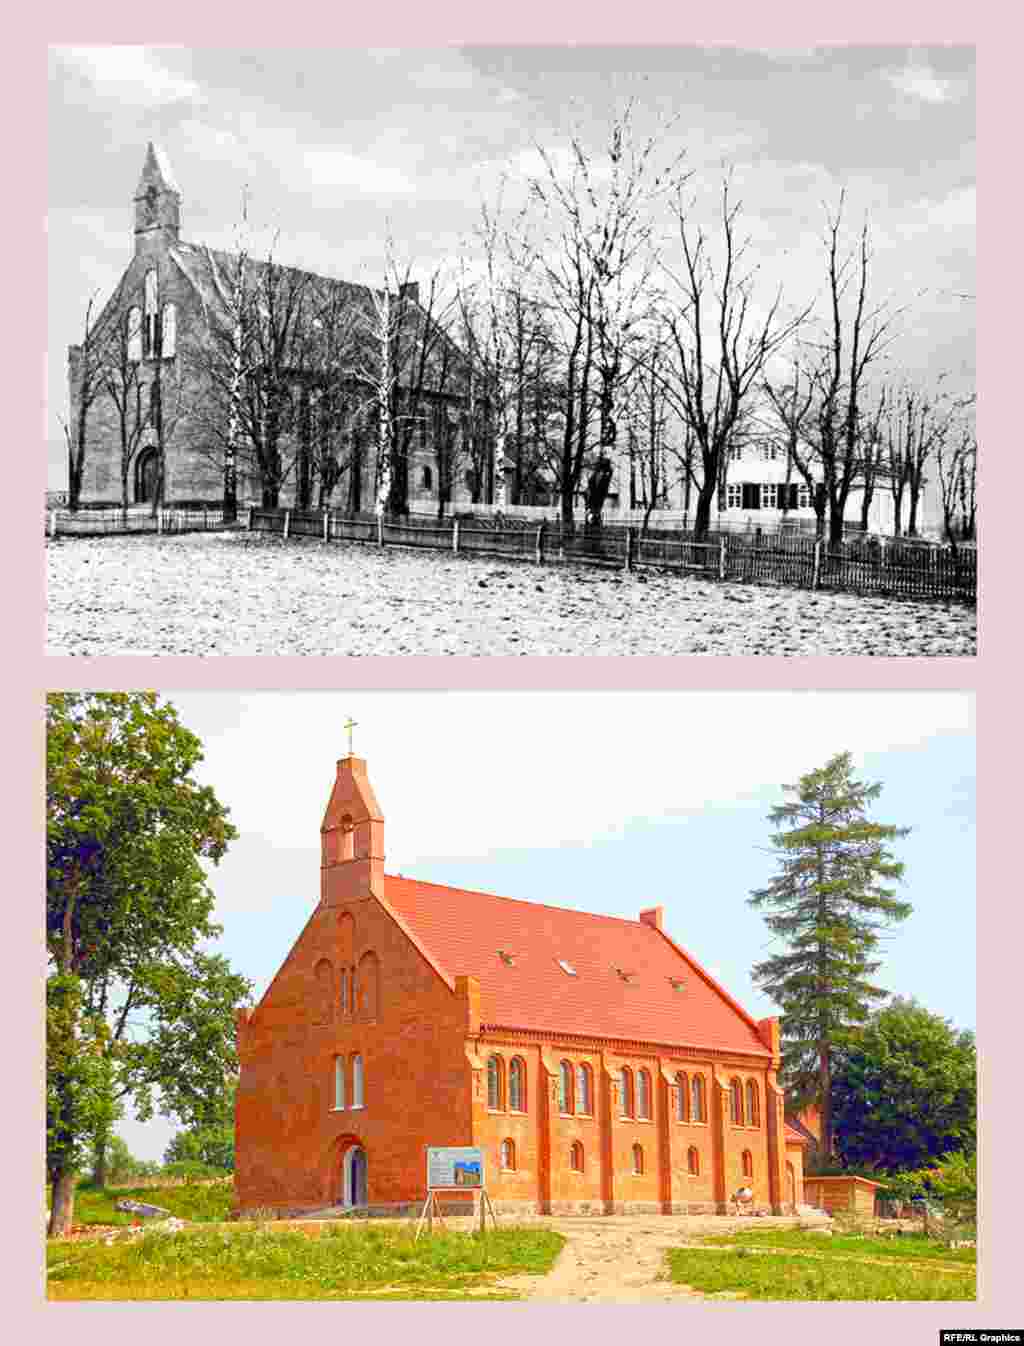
[(653, 916), (351, 837)]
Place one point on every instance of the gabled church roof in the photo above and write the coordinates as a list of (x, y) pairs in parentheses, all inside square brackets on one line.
[(571, 972)]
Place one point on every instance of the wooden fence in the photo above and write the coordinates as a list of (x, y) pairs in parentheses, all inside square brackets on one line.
[(858, 564), (103, 522)]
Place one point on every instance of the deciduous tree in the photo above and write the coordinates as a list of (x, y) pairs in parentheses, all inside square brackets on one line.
[(904, 1090), (135, 1004)]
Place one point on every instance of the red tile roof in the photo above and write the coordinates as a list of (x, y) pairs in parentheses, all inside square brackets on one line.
[(461, 932)]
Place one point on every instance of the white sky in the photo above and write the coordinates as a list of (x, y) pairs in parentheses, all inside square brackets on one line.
[(462, 774)]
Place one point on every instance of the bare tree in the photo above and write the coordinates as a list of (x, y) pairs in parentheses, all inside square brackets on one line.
[(792, 402), (720, 347), (956, 459), (600, 214), (87, 362), (853, 342), (255, 358), (122, 383), (647, 414), (405, 358)]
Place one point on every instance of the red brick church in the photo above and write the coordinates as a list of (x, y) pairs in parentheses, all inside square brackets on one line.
[(597, 1065)]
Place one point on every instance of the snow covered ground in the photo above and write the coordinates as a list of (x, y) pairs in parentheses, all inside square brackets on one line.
[(244, 593)]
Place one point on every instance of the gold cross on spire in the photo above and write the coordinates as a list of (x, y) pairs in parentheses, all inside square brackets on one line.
[(350, 724)]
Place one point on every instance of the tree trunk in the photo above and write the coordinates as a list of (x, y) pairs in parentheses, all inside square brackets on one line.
[(705, 495), (62, 1203), (915, 495), (99, 1168), (835, 522)]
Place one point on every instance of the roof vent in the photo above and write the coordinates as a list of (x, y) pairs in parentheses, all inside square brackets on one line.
[(567, 968), (623, 974), (677, 983), (507, 958)]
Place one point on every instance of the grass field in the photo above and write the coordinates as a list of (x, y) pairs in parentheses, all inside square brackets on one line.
[(206, 1201), (341, 1262), (795, 1264)]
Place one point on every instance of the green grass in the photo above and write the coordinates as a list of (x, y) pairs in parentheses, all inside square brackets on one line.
[(914, 1247), (816, 1267), (342, 1262), (212, 1201)]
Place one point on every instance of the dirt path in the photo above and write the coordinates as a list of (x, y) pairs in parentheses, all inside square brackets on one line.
[(621, 1260)]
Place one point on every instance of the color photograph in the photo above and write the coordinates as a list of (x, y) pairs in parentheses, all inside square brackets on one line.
[(708, 1015)]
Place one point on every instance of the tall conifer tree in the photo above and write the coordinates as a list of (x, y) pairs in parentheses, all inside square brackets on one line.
[(827, 904)]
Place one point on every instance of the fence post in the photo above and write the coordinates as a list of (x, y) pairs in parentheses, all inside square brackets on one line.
[(380, 530), (540, 543), (721, 557), (160, 519), (249, 523), (287, 521), (455, 536), (629, 548), (206, 524), (327, 524), (816, 577), (53, 523)]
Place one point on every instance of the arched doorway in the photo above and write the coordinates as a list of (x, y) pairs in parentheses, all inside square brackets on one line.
[(146, 471), (354, 1185)]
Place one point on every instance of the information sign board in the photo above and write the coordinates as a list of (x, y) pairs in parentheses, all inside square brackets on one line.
[(458, 1166)]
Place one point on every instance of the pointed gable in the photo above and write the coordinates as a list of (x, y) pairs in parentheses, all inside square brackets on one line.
[(628, 981)]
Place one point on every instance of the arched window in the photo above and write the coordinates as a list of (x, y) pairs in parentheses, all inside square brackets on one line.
[(697, 1112), (169, 336), (753, 1112), (508, 1154), (357, 1082), (428, 478), (584, 1091), (626, 1091), (638, 1159), (368, 1004), (495, 1083), (565, 1087), (748, 1164), (643, 1094), (339, 1081), (693, 1160), (682, 1096), (576, 1157), (735, 1102), (323, 1004), (134, 334), (517, 1085), (152, 315)]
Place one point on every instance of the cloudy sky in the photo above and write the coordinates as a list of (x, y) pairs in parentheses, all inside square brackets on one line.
[(337, 145), (604, 802)]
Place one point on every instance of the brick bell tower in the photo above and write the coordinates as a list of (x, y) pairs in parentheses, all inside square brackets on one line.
[(157, 203), (351, 838)]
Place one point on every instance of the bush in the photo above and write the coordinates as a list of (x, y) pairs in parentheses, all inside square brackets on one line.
[(192, 1170)]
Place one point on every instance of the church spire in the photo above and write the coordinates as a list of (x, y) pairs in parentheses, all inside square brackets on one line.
[(157, 202), (351, 836)]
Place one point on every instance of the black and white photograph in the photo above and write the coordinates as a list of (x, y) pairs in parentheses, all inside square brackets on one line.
[(539, 350)]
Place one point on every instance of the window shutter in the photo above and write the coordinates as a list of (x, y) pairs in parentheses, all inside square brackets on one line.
[(751, 495)]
